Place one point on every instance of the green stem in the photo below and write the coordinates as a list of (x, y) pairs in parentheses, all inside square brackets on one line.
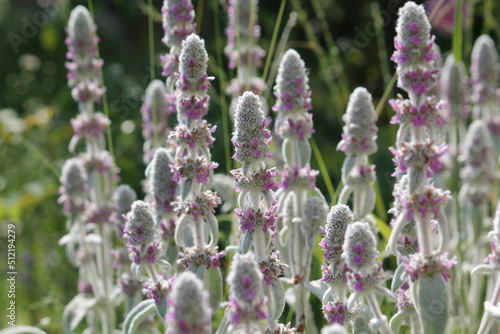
[(222, 86), (199, 15), (273, 40), (457, 32), (39, 155), (324, 170)]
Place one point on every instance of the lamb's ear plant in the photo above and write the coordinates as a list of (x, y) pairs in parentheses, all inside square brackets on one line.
[(245, 55), (87, 185), (335, 269), (491, 309), (197, 230), (365, 278), (297, 188), (417, 156), (257, 207), (484, 75), (358, 142)]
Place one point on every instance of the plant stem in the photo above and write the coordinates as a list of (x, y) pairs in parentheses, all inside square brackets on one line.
[(375, 308), (486, 320)]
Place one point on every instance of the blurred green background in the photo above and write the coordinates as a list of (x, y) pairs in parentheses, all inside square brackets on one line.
[(345, 44)]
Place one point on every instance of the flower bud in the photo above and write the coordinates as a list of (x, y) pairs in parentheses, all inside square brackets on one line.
[(246, 292), (140, 228), (413, 42), (483, 69), (161, 181), (360, 132), (360, 248), (292, 89), (314, 215), (337, 221), (188, 306), (251, 138)]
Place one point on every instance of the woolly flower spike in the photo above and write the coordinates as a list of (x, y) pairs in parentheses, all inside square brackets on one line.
[(188, 312), (245, 28), (334, 329), (251, 138), (123, 198), (455, 89), (83, 68), (483, 69), (73, 186), (291, 90), (478, 172), (413, 42), (360, 248), (315, 213), (178, 16), (360, 131), (155, 127), (246, 294), (193, 65), (140, 228), (161, 178), (339, 218)]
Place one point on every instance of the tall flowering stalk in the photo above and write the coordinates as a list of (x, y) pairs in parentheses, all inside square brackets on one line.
[(161, 196), (244, 54), (365, 277), (484, 75), (143, 242), (477, 174), (178, 16), (417, 157), (192, 168), (155, 111), (295, 126), (492, 266), (88, 180), (477, 177), (455, 92), (257, 213), (335, 268), (358, 142)]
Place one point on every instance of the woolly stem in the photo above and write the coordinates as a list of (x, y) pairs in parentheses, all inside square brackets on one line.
[(375, 308)]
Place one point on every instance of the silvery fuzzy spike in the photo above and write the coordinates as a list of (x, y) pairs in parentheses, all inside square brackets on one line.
[(358, 141), (360, 131), (247, 303), (251, 137), (83, 65), (177, 17), (314, 215), (455, 89), (484, 71), (366, 278), (188, 310), (123, 198), (360, 248), (155, 112)]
